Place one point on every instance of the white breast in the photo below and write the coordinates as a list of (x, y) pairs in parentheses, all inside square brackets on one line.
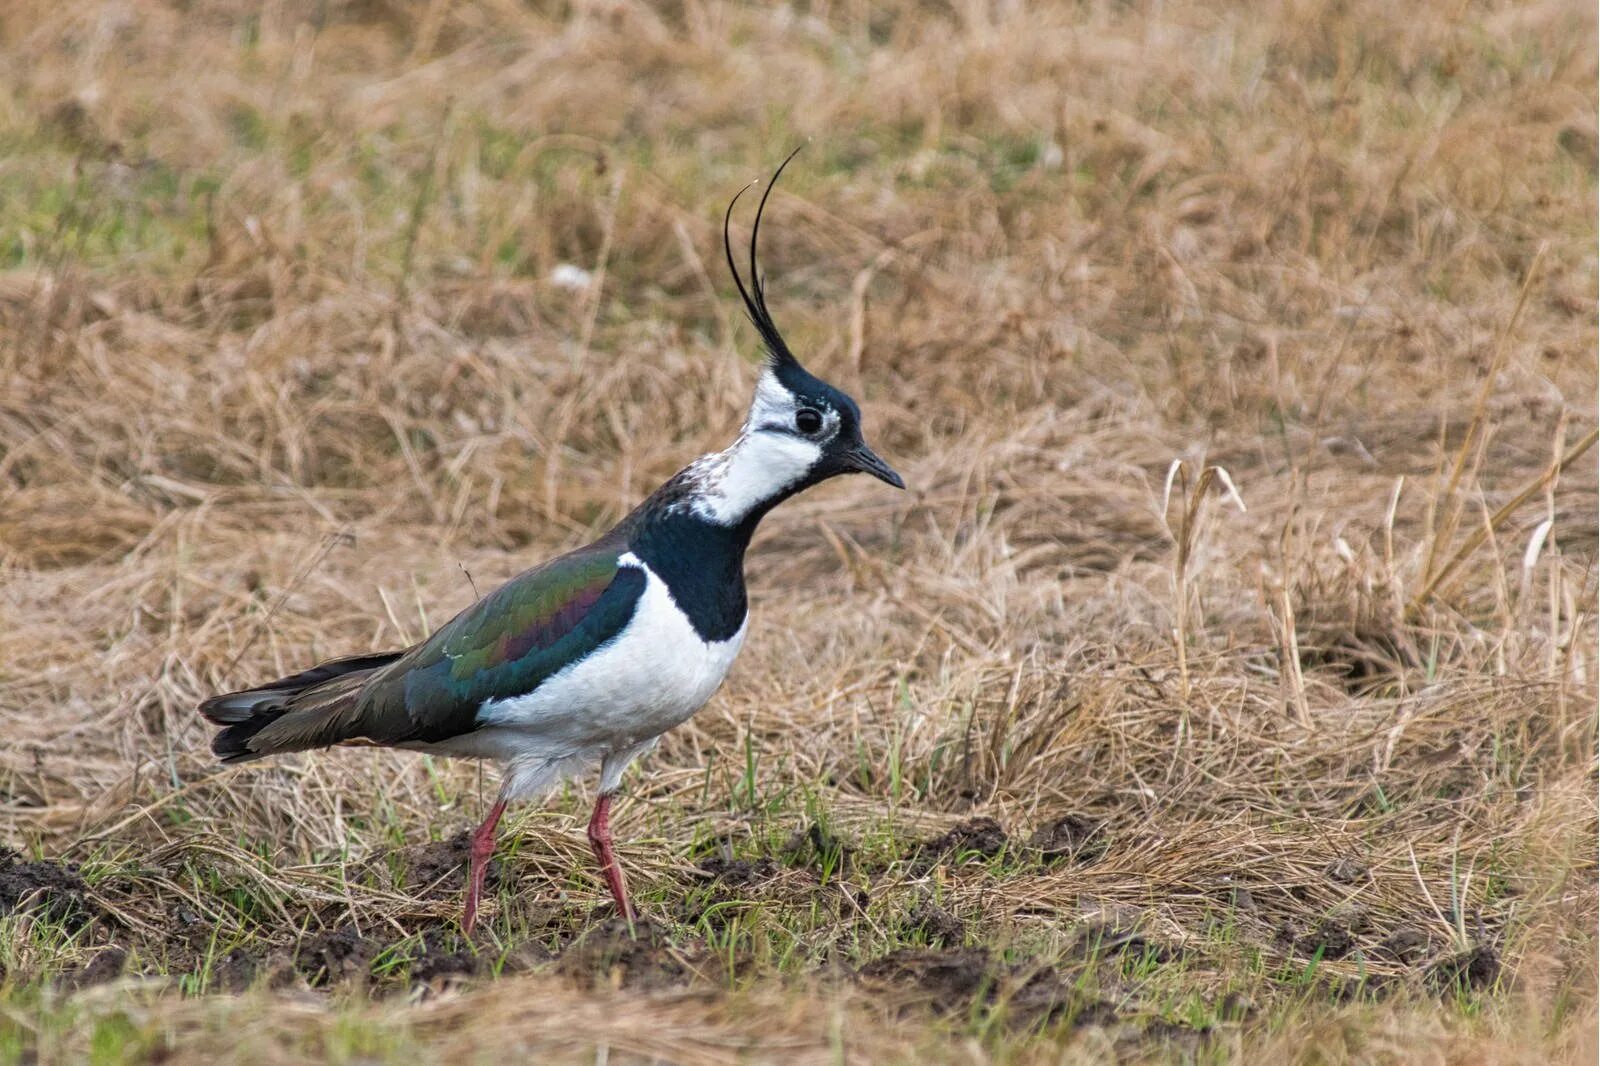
[(651, 677)]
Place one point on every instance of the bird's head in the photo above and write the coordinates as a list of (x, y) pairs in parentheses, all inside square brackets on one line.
[(800, 429)]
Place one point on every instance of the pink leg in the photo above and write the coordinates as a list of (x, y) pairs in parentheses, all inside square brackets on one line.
[(600, 840), (482, 848)]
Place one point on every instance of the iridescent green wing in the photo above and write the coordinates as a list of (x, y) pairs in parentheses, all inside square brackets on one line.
[(507, 644)]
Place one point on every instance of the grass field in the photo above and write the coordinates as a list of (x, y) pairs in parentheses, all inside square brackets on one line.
[(1223, 688)]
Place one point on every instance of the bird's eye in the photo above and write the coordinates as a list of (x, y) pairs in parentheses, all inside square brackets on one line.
[(807, 421)]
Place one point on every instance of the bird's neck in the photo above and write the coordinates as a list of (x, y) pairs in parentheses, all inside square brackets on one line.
[(737, 486), (700, 561), (693, 531)]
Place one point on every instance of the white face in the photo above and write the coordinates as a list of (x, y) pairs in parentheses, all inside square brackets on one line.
[(772, 453), (775, 410)]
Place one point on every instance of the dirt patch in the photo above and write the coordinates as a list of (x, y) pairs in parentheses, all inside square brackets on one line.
[(1407, 944), (938, 927), (1186, 1041), (1346, 871), (742, 881), (811, 855), (738, 873), (1102, 940), (1047, 996), (1071, 838), (946, 981), (236, 971), (1476, 968), (614, 955), (54, 890), (240, 970), (955, 981), (977, 840), (438, 870), (815, 848), (1335, 936), (343, 956), (440, 965), (433, 961), (107, 965)]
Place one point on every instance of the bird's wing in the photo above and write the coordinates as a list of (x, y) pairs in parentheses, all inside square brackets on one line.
[(505, 645)]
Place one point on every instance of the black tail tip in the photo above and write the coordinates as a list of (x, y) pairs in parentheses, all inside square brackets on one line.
[(232, 744)]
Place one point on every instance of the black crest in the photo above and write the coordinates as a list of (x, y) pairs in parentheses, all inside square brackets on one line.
[(755, 297)]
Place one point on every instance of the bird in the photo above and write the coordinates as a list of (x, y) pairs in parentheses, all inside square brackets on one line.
[(585, 660)]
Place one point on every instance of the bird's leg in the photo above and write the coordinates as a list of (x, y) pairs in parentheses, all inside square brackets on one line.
[(482, 848), (600, 840)]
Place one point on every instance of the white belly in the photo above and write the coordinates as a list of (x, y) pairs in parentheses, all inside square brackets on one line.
[(651, 677)]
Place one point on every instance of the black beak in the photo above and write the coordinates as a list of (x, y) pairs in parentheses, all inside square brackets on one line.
[(865, 460)]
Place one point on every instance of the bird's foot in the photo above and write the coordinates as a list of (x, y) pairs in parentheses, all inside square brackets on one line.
[(479, 855), (600, 840)]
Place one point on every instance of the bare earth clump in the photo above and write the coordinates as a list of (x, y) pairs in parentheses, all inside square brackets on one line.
[(1224, 686)]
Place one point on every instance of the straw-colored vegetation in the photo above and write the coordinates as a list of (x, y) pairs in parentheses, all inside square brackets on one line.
[(1240, 358)]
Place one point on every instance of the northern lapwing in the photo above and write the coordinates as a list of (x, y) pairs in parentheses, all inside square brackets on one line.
[(589, 658)]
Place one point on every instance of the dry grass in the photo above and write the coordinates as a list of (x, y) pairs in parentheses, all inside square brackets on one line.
[(287, 370)]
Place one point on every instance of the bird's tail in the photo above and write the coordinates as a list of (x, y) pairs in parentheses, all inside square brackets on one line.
[(312, 709)]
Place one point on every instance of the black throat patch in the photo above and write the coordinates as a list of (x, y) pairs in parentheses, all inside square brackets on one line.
[(702, 564)]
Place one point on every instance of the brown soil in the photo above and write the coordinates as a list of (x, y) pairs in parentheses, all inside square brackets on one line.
[(938, 926), (1335, 936), (106, 965), (54, 890), (642, 957), (1071, 838), (971, 841), (954, 981), (441, 866), (1476, 968), (739, 873), (1108, 940), (343, 956)]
